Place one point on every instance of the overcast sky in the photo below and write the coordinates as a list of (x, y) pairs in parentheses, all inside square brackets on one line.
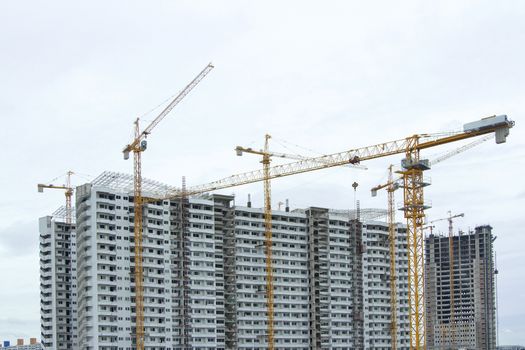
[(325, 76)]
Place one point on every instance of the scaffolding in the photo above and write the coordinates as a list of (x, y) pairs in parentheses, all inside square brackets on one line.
[(473, 285), (366, 214), (61, 214), (319, 273), (123, 183), (224, 217), (357, 248), (185, 266)]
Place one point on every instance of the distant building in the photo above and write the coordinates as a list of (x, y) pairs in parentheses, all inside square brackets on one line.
[(471, 323), (33, 345)]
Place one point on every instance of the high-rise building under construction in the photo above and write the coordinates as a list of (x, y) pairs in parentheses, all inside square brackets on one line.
[(204, 274), (461, 314), (58, 321)]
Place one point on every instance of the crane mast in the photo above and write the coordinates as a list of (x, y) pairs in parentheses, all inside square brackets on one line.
[(137, 146), (391, 186), (392, 246), (69, 195), (414, 212), (137, 201), (268, 241), (266, 159)]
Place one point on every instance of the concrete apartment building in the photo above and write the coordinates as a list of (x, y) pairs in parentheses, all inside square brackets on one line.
[(204, 274), (57, 282), (471, 324), (376, 282), (314, 252)]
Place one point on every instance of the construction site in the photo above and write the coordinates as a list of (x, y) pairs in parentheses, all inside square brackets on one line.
[(132, 263)]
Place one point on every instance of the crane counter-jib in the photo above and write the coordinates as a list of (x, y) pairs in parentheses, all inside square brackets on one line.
[(420, 141)]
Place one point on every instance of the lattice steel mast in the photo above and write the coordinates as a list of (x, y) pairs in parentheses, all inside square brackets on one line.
[(137, 146)]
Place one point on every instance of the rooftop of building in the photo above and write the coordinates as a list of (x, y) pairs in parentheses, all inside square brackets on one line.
[(123, 183)]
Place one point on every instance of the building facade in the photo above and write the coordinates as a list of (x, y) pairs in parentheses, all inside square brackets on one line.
[(470, 323), (182, 264), (57, 283), (205, 274), (376, 286)]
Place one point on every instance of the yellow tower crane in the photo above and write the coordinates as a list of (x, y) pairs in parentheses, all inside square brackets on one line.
[(266, 159), (137, 146), (452, 325), (69, 193), (391, 186)]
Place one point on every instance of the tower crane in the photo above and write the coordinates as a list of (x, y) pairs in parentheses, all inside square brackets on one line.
[(137, 146), (68, 192), (391, 186), (452, 326)]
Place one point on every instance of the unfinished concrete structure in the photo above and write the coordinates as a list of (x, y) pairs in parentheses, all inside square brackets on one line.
[(182, 261), (471, 325), (58, 318)]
